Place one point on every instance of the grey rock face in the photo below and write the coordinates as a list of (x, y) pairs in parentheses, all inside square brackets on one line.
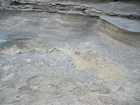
[(69, 52)]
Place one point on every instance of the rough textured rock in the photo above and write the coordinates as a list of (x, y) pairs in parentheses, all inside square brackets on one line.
[(8, 2), (69, 53)]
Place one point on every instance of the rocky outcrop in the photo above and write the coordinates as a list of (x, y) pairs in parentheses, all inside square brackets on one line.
[(8, 2)]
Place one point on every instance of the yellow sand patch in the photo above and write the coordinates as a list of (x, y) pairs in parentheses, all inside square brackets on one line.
[(96, 65)]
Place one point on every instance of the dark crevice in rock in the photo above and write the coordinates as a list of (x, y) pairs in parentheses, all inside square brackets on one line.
[(15, 3)]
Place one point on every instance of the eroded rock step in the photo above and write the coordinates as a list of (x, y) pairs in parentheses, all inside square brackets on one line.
[(65, 7)]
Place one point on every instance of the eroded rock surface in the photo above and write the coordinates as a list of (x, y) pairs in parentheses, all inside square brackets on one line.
[(68, 54)]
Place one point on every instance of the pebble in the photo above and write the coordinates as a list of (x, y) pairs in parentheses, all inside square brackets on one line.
[(103, 66), (18, 52), (77, 53), (51, 50), (28, 60)]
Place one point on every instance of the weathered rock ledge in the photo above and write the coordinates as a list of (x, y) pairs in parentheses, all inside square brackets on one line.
[(114, 19)]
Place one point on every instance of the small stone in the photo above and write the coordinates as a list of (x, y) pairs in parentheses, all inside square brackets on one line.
[(103, 66), (77, 53), (17, 97), (111, 14), (18, 52), (53, 4), (96, 63), (28, 60), (51, 50)]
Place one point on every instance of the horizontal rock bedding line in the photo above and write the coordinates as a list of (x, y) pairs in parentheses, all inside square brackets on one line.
[(62, 7)]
